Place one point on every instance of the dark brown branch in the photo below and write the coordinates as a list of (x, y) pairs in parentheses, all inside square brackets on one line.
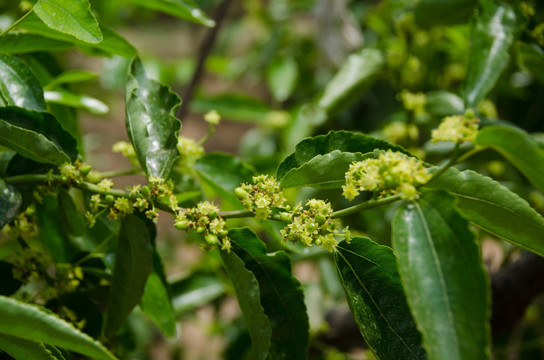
[(203, 53)]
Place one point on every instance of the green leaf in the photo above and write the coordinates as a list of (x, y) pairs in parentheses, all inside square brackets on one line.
[(70, 77), (368, 272), (67, 98), (18, 85), (21, 349), (74, 223), (343, 141), (233, 107), (492, 34), (531, 57), (322, 171), (282, 77), (133, 264), (443, 12), (112, 43), (195, 291), (10, 201), (247, 291), (519, 148), (151, 123), (353, 78), (281, 296), (32, 323), (184, 9), (493, 207), (224, 173), (443, 103), (36, 135), (155, 302), (20, 43), (72, 17), (443, 277)]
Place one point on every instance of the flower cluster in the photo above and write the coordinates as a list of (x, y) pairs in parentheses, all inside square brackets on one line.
[(190, 151), (398, 131), (312, 224), (127, 150), (259, 197), (414, 102), (204, 220), (457, 128), (389, 174)]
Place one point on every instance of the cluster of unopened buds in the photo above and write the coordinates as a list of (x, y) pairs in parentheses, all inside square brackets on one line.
[(313, 224), (204, 219), (391, 173), (265, 193), (456, 128)]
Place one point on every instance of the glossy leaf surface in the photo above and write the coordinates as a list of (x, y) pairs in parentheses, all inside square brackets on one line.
[(64, 97), (133, 264), (18, 85), (368, 272), (429, 13), (36, 135), (70, 77), (21, 349), (281, 296), (343, 141), (10, 200), (151, 122), (352, 79), (72, 17), (443, 277), (184, 9), (492, 35), (224, 173), (32, 323), (519, 148), (443, 103), (322, 171), (247, 291), (155, 302), (20, 43), (494, 208)]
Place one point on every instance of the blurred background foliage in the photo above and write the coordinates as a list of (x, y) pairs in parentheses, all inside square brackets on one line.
[(269, 76)]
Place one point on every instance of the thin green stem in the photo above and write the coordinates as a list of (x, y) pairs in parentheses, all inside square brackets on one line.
[(111, 174), (211, 131), (452, 161), (365, 206), (12, 26), (470, 153)]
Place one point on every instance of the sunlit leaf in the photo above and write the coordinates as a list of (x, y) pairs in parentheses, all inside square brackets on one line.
[(184, 9), (18, 85), (10, 201), (67, 98), (443, 277)]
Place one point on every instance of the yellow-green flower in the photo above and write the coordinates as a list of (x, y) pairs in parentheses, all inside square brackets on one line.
[(456, 128)]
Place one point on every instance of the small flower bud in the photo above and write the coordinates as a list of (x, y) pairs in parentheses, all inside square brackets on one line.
[(181, 225), (200, 229), (240, 193), (145, 191), (320, 219), (85, 170), (211, 239), (286, 217), (110, 199)]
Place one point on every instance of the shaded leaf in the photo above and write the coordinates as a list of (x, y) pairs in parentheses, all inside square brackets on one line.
[(443, 277), (20, 43), (247, 291), (156, 302), (443, 12), (9, 283), (344, 141), (493, 207), (133, 264), (352, 79), (233, 107), (67, 98), (368, 272), (184, 9), (36, 135), (224, 173), (73, 221), (10, 201), (492, 34), (70, 77), (72, 17), (18, 85), (21, 349), (531, 57), (322, 171), (281, 296), (30, 322), (519, 148), (151, 123), (443, 103)]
